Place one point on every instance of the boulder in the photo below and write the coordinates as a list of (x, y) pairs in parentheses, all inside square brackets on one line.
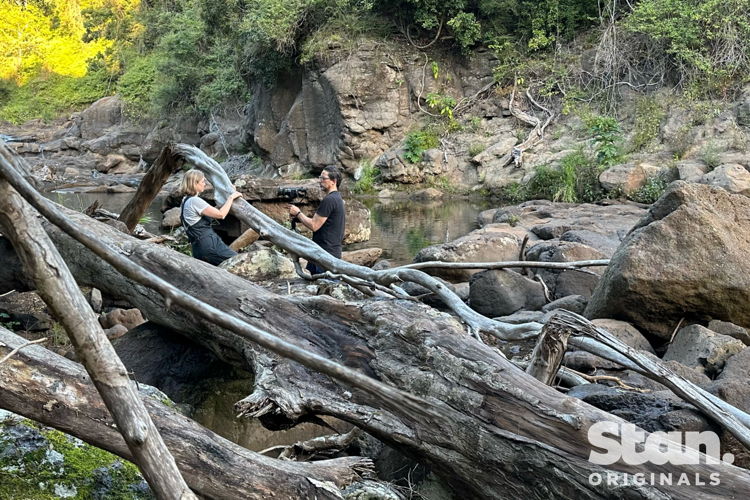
[(737, 393), (703, 349), (171, 218), (573, 303), (737, 366), (129, 318), (647, 411), (568, 282), (363, 257), (625, 332), (730, 329), (483, 245), (691, 171), (498, 292), (426, 195), (628, 177), (687, 257), (733, 177), (260, 263)]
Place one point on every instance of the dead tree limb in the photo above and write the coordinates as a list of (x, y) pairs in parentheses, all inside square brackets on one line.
[(734, 420), (214, 467), (537, 132), (175, 296), (500, 426), (56, 286), (573, 266), (548, 353), (22, 346), (165, 165), (298, 245)]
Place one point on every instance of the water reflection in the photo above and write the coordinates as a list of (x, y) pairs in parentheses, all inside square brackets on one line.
[(402, 228), (113, 202)]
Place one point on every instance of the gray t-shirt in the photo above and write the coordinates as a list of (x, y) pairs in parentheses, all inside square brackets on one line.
[(194, 206)]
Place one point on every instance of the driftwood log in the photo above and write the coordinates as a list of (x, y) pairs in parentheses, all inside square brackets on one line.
[(56, 286), (299, 246), (493, 431), (503, 433), (57, 392)]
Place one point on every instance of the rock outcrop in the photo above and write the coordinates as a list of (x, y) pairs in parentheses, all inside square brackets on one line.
[(687, 258)]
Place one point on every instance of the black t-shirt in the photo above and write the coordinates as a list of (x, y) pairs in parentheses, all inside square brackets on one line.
[(331, 233)]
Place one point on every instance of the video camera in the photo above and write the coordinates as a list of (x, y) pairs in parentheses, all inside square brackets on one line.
[(290, 193)]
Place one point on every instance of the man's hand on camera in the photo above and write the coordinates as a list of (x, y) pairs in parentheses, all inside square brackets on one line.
[(293, 211)]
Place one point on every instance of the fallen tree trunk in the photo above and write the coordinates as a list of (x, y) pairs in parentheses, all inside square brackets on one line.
[(493, 431), (300, 246), (57, 392), (504, 433), (61, 294)]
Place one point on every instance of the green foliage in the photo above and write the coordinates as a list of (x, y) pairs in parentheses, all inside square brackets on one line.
[(417, 143), (466, 29), (136, 86), (343, 32), (366, 183), (649, 113), (514, 192), (49, 96), (576, 181), (710, 155), (443, 104), (707, 42), (651, 191), (607, 139)]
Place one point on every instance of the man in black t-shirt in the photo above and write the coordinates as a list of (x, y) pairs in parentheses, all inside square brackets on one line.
[(328, 222)]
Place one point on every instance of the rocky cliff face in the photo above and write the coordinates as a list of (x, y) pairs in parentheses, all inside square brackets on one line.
[(358, 106)]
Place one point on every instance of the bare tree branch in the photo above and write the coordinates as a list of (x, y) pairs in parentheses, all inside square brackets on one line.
[(55, 284)]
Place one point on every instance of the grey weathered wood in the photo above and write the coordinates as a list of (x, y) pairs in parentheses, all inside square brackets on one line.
[(502, 427), (57, 392), (548, 353), (300, 246), (599, 341), (56, 286), (493, 431)]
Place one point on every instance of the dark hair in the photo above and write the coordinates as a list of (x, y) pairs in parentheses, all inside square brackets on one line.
[(334, 174)]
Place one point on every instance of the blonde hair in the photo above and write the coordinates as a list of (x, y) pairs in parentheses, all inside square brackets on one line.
[(190, 182)]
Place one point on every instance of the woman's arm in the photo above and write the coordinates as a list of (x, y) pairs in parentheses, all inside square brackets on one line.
[(222, 212)]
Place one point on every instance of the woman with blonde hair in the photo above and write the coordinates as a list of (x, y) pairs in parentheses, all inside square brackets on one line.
[(197, 217)]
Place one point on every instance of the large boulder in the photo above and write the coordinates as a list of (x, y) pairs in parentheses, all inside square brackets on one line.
[(686, 258), (489, 244), (702, 349), (628, 177), (733, 177), (498, 292)]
